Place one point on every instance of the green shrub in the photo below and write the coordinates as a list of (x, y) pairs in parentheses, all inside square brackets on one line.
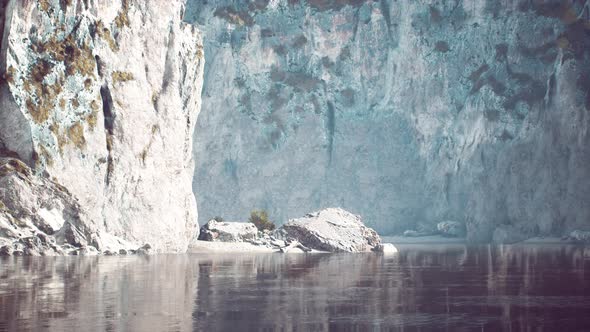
[(260, 219)]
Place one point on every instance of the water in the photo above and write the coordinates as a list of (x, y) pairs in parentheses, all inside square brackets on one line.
[(424, 288)]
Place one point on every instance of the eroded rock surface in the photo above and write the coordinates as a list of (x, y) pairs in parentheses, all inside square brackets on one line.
[(102, 97), (400, 111), (39, 216)]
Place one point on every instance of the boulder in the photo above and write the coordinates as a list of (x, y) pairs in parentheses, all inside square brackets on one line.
[(580, 236), (386, 248), (451, 228), (222, 231), (146, 249), (332, 230), (87, 251)]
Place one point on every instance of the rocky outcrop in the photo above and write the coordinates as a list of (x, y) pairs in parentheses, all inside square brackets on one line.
[(402, 111), (102, 98), (579, 236), (39, 216), (451, 228), (328, 230), (222, 231), (333, 230)]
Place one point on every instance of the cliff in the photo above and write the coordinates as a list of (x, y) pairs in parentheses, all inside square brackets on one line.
[(100, 99), (405, 112)]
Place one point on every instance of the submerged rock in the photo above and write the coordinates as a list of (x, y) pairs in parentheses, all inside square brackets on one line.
[(222, 231), (333, 230), (451, 228)]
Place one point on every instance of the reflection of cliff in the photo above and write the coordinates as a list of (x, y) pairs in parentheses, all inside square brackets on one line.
[(131, 293), (401, 111), (278, 291), (515, 288), (422, 288), (457, 288)]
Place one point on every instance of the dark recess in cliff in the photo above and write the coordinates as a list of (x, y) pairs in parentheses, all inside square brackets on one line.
[(109, 119), (330, 127)]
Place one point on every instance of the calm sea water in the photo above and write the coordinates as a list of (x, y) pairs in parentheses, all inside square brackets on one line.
[(424, 288)]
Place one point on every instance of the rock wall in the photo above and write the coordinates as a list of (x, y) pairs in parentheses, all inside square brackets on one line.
[(405, 112), (102, 97)]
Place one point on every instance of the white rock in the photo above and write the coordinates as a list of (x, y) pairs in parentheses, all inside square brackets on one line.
[(60, 219), (87, 251), (53, 219), (102, 97), (387, 249), (333, 230), (222, 231)]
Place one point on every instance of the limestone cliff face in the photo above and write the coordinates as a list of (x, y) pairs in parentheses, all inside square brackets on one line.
[(405, 112), (102, 97)]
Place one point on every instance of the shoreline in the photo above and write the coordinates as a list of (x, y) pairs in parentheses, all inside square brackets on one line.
[(441, 240), (200, 246)]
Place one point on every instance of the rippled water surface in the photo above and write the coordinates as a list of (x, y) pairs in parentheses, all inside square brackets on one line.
[(423, 288)]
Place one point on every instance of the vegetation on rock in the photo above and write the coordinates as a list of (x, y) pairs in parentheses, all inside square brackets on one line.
[(121, 76), (122, 19), (260, 219)]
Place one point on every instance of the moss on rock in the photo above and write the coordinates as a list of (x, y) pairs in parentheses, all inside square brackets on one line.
[(104, 33), (8, 76), (122, 19), (76, 135), (77, 57), (12, 165), (121, 76)]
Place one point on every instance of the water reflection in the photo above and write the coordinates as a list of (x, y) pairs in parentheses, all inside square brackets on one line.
[(423, 288)]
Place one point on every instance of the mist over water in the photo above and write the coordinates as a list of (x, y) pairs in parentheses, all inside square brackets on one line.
[(452, 288)]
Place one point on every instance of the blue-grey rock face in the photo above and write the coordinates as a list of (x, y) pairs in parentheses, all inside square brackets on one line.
[(405, 112)]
